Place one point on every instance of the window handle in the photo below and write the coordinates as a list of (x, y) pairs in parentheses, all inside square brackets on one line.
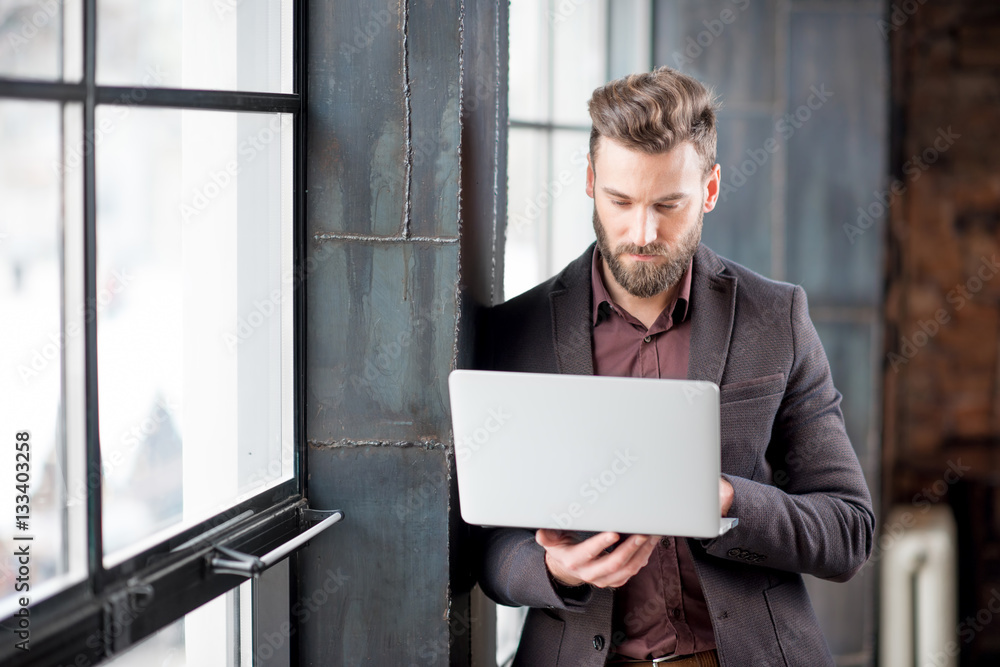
[(224, 560)]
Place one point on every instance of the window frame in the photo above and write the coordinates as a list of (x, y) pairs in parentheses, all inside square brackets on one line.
[(115, 607)]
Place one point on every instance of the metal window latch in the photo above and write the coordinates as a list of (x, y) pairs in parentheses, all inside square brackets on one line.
[(230, 561)]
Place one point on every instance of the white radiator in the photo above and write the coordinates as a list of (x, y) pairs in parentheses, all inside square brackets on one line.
[(919, 601)]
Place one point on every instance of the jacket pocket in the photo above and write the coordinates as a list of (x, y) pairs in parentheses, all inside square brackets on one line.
[(746, 425), (796, 628), (752, 388)]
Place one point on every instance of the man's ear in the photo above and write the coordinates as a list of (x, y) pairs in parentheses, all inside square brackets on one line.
[(590, 176), (712, 187)]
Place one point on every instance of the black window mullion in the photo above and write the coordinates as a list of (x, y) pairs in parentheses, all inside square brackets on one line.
[(185, 98), (46, 91), (95, 537)]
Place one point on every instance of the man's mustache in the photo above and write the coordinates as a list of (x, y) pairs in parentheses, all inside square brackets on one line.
[(649, 249)]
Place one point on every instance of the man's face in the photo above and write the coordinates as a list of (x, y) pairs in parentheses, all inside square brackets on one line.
[(648, 212)]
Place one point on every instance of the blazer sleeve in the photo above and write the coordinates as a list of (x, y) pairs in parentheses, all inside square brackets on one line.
[(514, 573), (815, 516)]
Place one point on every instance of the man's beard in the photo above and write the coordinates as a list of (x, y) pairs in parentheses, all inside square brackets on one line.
[(647, 279)]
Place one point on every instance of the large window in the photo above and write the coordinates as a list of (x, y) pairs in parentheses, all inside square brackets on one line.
[(560, 51), (149, 200)]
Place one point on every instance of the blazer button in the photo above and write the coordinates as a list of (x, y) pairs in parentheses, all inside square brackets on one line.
[(598, 642), (734, 552)]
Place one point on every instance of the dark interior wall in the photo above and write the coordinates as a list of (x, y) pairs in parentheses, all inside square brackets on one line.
[(404, 162), (942, 363)]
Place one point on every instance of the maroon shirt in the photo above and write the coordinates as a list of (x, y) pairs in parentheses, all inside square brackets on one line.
[(661, 610)]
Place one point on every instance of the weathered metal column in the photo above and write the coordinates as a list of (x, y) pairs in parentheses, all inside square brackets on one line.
[(406, 180)]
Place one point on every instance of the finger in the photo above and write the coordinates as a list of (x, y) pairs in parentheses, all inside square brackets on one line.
[(581, 556), (548, 537), (641, 555), (594, 547), (631, 561), (607, 565)]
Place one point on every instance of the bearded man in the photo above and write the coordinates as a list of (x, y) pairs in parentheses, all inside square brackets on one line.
[(648, 300)]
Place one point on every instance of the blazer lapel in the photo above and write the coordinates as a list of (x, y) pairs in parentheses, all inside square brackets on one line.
[(713, 303), (572, 326)]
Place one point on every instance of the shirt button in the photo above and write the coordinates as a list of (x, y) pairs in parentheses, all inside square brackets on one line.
[(648, 338), (676, 612), (598, 642)]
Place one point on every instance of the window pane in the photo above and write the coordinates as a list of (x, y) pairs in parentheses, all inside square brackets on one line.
[(578, 69), (209, 636), (222, 44), (530, 93), (195, 277), (41, 355), (529, 205), (41, 39), (572, 213)]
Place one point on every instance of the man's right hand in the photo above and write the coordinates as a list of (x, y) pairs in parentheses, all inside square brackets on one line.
[(574, 563)]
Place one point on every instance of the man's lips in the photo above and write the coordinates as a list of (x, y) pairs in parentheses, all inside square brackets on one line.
[(644, 258)]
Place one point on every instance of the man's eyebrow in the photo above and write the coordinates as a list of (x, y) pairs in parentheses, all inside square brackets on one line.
[(673, 196)]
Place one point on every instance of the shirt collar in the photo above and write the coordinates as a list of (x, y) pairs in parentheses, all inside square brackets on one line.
[(603, 304)]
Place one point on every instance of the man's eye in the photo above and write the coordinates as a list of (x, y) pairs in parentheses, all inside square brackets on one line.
[(617, 202), (668, 207)]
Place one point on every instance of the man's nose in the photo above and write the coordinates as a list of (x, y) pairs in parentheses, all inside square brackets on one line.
[(644, 227)]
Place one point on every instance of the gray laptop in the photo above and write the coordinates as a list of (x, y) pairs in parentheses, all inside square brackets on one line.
[(587, 453)]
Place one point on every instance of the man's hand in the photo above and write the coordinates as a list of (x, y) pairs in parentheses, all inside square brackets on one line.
[(725, 496), (573, 563)]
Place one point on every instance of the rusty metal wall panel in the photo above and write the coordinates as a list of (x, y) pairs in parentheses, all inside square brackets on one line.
[(381, 339), (406, 146), (357, 117), (433, 40), (374, 591)]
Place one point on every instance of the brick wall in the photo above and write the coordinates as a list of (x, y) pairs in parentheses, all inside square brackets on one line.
[(942, 367)]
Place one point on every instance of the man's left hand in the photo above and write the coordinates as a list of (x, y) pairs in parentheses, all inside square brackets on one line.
[(725, 495)]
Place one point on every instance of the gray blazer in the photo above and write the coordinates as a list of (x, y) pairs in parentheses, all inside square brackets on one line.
[(801, 499)]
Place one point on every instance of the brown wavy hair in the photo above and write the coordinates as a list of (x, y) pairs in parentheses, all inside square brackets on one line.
[(655, 111)]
